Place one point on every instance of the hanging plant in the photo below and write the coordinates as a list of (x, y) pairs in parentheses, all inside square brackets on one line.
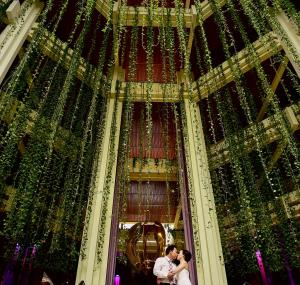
[(289, 8), (108, 180), (37, 153), (182, 36), (97, 85), (263, 78), (126, 129), (25, 61), (149, 58), (14, 28), (18, 127)]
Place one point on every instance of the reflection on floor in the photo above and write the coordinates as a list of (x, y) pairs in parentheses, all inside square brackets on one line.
[(128, 275)]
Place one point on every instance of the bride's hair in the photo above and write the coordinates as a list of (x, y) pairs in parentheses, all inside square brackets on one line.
[(187, 255)]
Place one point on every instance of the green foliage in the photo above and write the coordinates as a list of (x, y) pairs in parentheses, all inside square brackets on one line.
[(54, 129)]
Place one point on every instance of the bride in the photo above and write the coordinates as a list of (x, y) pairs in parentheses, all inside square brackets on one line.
[(182, 270)]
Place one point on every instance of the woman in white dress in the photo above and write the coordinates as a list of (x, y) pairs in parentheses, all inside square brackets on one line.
[(182, 270)]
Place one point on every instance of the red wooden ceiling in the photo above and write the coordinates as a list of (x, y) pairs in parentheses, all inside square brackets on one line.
[(152, 202), (141, 59), (159, 140)]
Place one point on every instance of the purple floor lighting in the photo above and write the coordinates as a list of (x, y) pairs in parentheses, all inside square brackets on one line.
[(261, 268), (117, 280)]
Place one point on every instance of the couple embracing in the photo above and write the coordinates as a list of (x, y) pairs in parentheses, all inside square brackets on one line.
[(167, 272)]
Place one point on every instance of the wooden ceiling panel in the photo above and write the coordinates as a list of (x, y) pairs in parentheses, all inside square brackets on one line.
[(152, 201), (163, 145)]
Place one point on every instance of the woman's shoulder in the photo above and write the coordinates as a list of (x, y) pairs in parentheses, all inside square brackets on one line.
[(183, 264), (186, 265)]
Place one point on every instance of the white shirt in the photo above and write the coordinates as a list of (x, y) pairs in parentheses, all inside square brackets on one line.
[(162, 266)]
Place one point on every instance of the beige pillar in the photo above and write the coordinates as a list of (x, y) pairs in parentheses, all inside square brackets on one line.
[(292, 33), (90, 270), (21, 19), (208, 251)]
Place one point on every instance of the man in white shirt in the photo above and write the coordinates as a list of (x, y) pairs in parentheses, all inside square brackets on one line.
[(163, 266)]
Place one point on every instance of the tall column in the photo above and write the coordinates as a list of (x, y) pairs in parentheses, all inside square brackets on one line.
[(90, 269), (186, 213), (291, 44), (208, 251), (21, 20)]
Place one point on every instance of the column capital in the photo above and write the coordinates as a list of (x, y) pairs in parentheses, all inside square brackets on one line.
[(15, 34), (13, 12), (290, 39)]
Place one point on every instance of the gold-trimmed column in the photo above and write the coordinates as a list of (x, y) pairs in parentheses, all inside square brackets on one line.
[(14, 35), (292, 34), (208, 251), (90, 269)]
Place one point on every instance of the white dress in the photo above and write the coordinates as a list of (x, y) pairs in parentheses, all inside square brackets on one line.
[(183, 277)]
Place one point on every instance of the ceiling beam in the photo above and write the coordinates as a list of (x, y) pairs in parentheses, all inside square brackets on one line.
[(274, 85), (102, 7), (192, 31), (161, 92), (187, 4), (116, 11), (168, 92), (294, 123), (159, 15), (276, 155), (177, 216), (154, 170), (62, 137), (29, 77), (133, 176), (219, 153), (190, 41), (291, 203), (215, 79), (218, 77), (54, 48)]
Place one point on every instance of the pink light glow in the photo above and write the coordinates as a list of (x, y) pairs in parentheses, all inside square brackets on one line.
[(117, 280), (261, 267), (17, 249), (34, 250)]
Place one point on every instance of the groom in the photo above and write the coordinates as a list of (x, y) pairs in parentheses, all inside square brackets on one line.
[(163, 266)]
